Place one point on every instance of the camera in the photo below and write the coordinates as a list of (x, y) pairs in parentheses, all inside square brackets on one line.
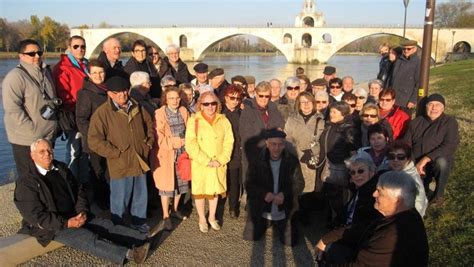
[(50, 110)]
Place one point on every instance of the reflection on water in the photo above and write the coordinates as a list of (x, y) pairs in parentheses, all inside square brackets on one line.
[(362, 68)]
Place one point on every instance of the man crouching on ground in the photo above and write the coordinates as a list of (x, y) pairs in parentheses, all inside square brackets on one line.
[(54, 207), (273, 185)]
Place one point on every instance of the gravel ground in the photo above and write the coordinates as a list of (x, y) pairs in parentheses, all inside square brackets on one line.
[(185, 245)]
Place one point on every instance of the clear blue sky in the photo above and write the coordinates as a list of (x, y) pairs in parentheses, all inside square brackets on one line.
[(209, 12)]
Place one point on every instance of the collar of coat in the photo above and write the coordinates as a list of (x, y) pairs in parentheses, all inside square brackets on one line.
[(198, 115)]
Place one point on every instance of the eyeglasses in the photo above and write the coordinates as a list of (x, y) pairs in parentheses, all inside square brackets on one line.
[(306, 102), (34, 53), (359, 171), (264, 96), (292, 88), (214, 103), (233, 98), (407, 48), (77, 46), (373, 116), (393, 156), (335, 86), (153, 54), (139, 51), (385, 99), (321, 102), (360, 97)]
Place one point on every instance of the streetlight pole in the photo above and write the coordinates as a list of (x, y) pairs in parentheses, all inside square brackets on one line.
[(426, 51), (405, 3)]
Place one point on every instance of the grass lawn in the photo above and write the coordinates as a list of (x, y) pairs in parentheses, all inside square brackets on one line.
[(450, 227)]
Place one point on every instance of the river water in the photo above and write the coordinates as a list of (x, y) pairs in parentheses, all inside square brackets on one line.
[(361, 68)]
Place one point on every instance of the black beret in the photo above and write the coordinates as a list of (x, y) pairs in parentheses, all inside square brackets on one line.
[(329, 70), (117, 84), (436, 97), (216, 72), (201, 68), (275, 133)]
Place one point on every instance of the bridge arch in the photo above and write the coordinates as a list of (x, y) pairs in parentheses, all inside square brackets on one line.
[(308, 22), (183, 41), (306, 40), (346, 41), (287, 38), (462, 47), (201, 51)]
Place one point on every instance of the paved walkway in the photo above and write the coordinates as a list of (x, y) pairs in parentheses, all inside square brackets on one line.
[(186, 245)]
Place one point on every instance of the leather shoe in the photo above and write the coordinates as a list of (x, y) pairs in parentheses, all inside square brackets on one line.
[(140, 253)]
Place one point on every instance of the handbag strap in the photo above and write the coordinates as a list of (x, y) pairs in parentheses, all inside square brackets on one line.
[(325, 148)]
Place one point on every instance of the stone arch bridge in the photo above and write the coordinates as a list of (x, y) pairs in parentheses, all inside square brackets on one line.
[(297, 44)]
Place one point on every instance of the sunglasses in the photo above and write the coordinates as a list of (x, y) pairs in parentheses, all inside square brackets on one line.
[(360, 97), (359, 171), (292, 88), (209, 104), (321, 102), (370, 116), (393, 156), (154, 54), (385, 99), (77, 46), (34, 53), (407, 48), (233, 98), (334, 86), (264, 96)]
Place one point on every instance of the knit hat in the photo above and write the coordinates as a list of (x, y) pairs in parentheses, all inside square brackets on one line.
[(436, 97)]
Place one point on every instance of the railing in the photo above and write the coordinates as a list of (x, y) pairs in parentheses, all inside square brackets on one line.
[(398, 26)]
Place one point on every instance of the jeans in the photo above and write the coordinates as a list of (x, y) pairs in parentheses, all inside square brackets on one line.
[(124, 189), (439, 170), (77, 160), (95, 237)]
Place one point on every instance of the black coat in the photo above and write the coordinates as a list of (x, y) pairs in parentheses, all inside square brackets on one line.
[(385, 70), (133, 65), (233, 117), (406, 80), (364, 212), (35, 201), (438, 138), (89, 99), (342, 138), (116, 70), (182, 74), (260, 182)]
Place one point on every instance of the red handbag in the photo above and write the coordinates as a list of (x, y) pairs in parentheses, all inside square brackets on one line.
[(183, 163)]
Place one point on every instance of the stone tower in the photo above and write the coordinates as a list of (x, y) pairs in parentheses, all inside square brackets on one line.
[(309, 17)]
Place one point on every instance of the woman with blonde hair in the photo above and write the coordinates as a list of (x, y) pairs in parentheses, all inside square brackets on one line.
[(170, 127), (209, 143)]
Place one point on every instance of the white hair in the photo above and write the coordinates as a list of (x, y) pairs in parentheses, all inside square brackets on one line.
[(379, 82), (166, 79), (36, 142), (348, 77), (108, 41), (322, 94), (137, 78), (400, 185), (172, 46), (361, 92)]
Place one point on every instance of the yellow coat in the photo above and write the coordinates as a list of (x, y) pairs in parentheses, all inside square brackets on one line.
[(213, 142)]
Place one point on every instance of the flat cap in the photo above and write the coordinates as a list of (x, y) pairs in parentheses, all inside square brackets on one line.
[(250, 79), (408, 43), (201, 68), (275, 133), (117, 84), (215, 72), (329, 70), (319, 82)]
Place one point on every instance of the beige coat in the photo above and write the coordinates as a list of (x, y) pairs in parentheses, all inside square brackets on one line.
[(213, 142), (163, 154)]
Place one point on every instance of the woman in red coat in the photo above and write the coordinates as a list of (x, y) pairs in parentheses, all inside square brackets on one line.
[(397, 118)]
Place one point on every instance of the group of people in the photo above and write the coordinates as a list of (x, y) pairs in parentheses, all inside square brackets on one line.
[(275, 149)]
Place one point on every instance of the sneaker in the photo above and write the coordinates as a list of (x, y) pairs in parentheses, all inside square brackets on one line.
[(178, 215), (215, 225), (142, 228), (139, 253)]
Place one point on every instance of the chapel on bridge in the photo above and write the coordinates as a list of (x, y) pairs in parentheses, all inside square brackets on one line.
[(309, 17)]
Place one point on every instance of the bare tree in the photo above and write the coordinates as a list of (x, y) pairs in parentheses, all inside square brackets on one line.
[(455, 14)]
